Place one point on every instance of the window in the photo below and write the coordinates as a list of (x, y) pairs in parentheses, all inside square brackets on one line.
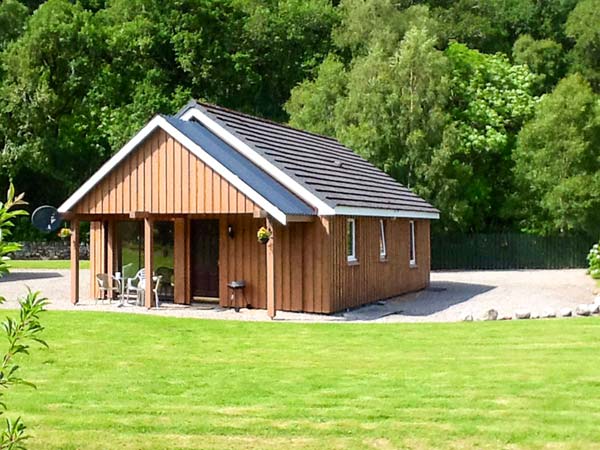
[(382, 246), (351, 240), (411, 238)]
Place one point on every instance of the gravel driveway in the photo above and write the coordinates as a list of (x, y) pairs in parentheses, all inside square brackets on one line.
[(450, 297)]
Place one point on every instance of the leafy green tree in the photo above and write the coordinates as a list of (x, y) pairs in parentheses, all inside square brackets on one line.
[(470, 177), (557, 161), (382, 23), (312, 105), (48, 71), (393, 113), (544, 57), (489, 26), (13, 15), (582, 26), (20, 332)]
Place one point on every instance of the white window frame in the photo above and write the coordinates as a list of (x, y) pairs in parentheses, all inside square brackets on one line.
[(412, 255), (352, 223), (382, 243)]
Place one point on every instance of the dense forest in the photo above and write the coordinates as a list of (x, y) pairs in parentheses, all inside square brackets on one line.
[(490, 109)]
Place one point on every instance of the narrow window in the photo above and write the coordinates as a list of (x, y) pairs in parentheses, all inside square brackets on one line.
[(413, 253), (351, 240), (382, 246)]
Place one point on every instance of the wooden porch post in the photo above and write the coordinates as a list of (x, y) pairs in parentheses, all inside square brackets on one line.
[(271, 309), (110, 254), (74, 261), (180, 261), (148, 260)]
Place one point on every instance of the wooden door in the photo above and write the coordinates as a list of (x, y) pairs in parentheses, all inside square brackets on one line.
[(204, 258)]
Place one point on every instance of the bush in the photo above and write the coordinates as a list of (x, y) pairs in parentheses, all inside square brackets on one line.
[(593, 258)]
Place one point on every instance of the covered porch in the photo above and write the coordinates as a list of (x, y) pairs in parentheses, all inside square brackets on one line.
[(196, 257)]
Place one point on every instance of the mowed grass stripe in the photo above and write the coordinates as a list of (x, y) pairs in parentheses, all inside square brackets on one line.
[(152, 382)]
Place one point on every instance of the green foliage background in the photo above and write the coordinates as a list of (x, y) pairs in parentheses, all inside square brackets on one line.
[(489, 109)]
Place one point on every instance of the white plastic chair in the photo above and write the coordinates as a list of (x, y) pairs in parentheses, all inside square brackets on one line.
[(142, 287), (133, 284)]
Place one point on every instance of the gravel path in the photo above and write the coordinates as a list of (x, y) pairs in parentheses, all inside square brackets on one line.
[(450, 297)]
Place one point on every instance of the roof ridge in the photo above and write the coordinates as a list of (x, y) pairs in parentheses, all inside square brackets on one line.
[(272, 122)]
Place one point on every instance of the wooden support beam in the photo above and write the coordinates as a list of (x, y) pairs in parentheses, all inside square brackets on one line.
[(74, 261), (148, 260), (188, 263), (179, 261), (271, 308), (111, 247)]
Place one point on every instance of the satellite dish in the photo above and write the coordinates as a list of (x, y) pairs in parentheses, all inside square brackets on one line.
[(46, 218)]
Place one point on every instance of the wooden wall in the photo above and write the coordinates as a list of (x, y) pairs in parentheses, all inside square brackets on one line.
[(312, 273), (301, 264), (303, 267), (371, 279), (163, 177)]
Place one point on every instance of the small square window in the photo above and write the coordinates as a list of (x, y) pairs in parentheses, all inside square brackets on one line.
[(382, 243), (412, 245), (351, 240)]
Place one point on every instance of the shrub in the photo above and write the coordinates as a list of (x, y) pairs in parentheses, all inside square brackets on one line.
[(593, 258)]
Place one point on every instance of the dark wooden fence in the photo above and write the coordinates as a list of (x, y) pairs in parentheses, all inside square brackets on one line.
[(508, 251)]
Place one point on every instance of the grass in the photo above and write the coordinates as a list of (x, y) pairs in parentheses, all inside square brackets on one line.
[(144, 382), (46, 264)]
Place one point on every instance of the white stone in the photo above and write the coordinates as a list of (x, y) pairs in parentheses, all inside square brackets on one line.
[(534, 316), (597, 300), (547, 313), (468, 318), (522, 314), (565, 312), (490, 314), (583, 310), (594, 308), (505, 317)]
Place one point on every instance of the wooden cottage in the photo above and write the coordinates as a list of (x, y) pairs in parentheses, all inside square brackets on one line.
[(188, 194)]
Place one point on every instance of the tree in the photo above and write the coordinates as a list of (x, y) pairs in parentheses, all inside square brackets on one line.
[(557, 161), (543, 57), (20, 332), (312, 104), (470, 177), (13, 15), (582, 26), (393, 113), (48, 71)]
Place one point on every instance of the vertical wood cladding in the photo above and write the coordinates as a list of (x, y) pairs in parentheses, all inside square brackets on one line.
[(372, 278), (163, 177), (302, 256), (312, 273)]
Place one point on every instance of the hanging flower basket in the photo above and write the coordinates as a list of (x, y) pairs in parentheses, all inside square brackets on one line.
[(64, 233), (263, 235)]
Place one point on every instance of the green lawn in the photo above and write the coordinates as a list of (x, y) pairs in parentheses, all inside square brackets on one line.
[(45, 264), (132, 381)]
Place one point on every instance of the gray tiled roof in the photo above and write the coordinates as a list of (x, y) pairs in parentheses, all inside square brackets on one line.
[(247, 171), (331, 171)]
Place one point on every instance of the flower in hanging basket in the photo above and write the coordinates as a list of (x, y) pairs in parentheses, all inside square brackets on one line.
[(263, 235), (64, 233)]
